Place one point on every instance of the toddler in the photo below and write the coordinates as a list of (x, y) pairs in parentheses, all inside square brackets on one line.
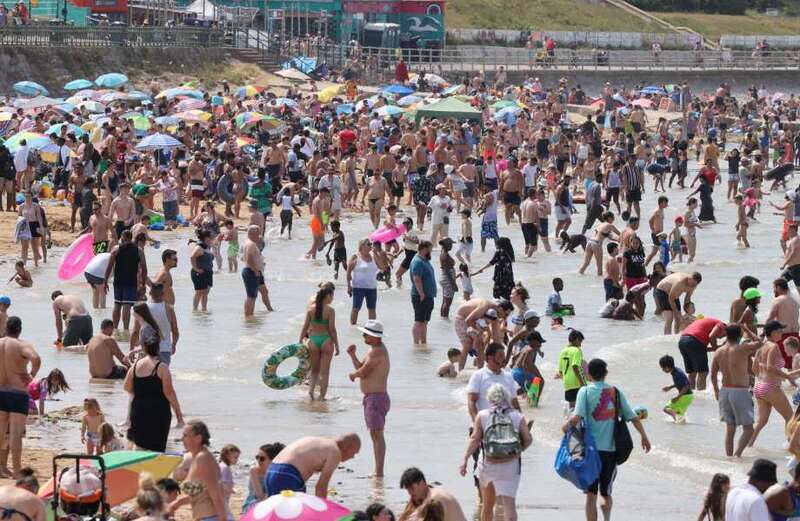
[(90, 425)]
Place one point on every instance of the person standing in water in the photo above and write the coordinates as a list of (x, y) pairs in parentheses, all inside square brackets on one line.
[(323, 340), (169, 260), (668, 293), (735, 401), (253, 272), (373, 373)]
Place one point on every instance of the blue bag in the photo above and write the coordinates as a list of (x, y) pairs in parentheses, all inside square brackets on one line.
[(577, 459)]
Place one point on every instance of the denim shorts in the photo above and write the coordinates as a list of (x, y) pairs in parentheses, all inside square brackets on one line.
[(359, 294)]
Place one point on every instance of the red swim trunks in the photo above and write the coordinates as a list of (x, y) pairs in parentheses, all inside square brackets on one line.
[(376, 407)]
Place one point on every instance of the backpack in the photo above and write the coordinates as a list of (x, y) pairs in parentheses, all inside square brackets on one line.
[(500, 438)]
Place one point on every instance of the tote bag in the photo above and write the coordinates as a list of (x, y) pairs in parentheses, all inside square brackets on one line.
[(623, 444), (577, 459)]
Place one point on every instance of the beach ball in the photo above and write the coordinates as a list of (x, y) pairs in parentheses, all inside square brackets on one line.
[(61, 195)]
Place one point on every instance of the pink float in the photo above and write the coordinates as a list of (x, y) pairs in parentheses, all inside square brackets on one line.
[(76, 257), (384, 234)]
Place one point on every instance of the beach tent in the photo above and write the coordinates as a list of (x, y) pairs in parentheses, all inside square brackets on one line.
[(448, 108), (303, 64)]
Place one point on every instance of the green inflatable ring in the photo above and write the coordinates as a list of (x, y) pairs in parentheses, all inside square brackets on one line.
[(269, 374)]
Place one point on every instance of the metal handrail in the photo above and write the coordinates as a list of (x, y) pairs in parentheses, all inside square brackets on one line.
[(98, 36)]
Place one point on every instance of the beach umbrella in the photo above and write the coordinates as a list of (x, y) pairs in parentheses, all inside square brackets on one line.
[(189, 104), (642, 102), (167, 120), (37, 102), (30, 88), (280, 102), (90, 93), (195, 116), (620, 99), (123, 468), (295, 506), (248, 119), (56, 129), (140, 122), (409, 100), (508, 115), (158, 141), (499, 105), (401, 90), (64, 108), (92, 106), (328, 93), (293, 75), (174, 92), (653, 89), (388, 111), (34, 140), (344, 109), (248, 91), (78, 85), (111, 80), (455, 89)]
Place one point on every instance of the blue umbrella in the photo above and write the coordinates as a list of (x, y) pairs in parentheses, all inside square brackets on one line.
[(167, 120), (30, 88), (344, 109), (388, 111), (78, 85), (507, 115), (401, 90), (111, 80), (217, 101), (279, 102), (405, 101), (653, 89), (56, 129), (158, 142)]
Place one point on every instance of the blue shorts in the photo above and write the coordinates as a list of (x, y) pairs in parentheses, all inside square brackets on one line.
[(359, 294), (283, 476), (521, 377), (489, 230), (251, 282), (170, 210), (165, 357), (125, 294)]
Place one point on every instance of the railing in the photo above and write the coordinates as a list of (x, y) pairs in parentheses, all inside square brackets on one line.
[(474, 58), (59, 36)]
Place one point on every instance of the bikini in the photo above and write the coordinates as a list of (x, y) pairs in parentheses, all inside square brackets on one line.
[(761, 389), (319, 338)]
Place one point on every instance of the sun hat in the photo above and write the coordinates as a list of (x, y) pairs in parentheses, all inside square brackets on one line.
[(372, 328)]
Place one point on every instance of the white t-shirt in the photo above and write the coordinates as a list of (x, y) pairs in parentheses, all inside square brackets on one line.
[(530, 171), (437, 212), (21, 158), (745, 503), (483, 379)]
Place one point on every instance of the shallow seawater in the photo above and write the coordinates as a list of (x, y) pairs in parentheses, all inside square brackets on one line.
[(218, 365)]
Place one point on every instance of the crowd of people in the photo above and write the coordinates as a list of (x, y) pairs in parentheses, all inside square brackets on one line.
[(316, 159)]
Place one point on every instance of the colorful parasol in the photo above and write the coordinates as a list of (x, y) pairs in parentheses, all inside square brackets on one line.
[(56, 129), (158, 141), (194, 116), (33, 139), (249, 91), (642, 102), (248, 119), (179, 91), (189, 104), (122, 473), (92, 106), (295, 506)]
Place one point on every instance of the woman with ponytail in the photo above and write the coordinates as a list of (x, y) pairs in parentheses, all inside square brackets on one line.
[(323, 342)]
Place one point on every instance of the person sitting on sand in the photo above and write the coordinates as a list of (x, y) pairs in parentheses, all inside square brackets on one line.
[(102, 350), (296, 463), (21, 505)]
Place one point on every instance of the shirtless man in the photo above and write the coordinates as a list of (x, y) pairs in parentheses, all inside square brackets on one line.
[(375, 191), (102, 350), (791, 258), (124, 209), (76, 182), (70, 308), (784, 308), (543, 208), (297, 462), (257, 218), (735, 400), (738, 305), (15, 355), (320, 207), (469, 173), (196, 184), (373, 372), (24, 503), (512, 184), (100, 226), (420, 494), (530, 222), (656, 227), (466, 319), (668, 293), (169, 260), (253, 272)]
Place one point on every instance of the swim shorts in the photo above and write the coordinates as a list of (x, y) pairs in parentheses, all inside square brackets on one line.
[(376, 407), (511, 198), (662, 300), (78, 330), (792, 273), (571, 395), (120, 227), (736, 406), (100, 247), (530, 233), (422, 308), (489, 230), (13, 400), (633, 196), (283, 476), (612, 291), (608, 472), (117, 373), (680, 405), (93, 279), (543, 228), (406, 264), (125, 294), (252, 282), (368, 294), (695, 356), (202, 281)]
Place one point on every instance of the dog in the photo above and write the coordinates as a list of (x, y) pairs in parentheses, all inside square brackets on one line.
[(570, 242)]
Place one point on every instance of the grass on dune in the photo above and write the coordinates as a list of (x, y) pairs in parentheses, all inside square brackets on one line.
[(713, 25)]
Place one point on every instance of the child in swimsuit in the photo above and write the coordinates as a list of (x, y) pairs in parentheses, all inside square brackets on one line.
[(90, 425), (109, 442), (231, 235), (337, 244)]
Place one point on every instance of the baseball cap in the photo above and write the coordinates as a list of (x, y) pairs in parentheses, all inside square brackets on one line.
[(5, 300), (751, 293), (530, 314), (491, 314), (763, 470), (773, 325)]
